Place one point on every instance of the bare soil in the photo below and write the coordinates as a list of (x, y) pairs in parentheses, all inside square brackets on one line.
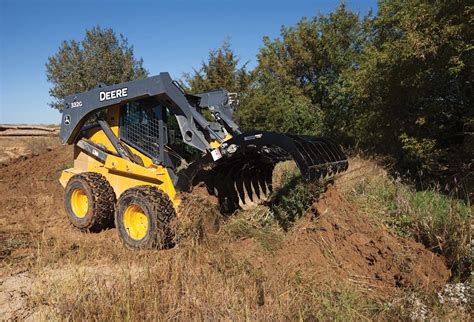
[(19, 147), (333, 241)]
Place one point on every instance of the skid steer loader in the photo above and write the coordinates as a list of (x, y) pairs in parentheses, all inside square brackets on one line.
[(137, 144)]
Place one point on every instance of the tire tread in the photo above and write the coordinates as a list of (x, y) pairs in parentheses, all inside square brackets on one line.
[(162, 208), (103, 200)]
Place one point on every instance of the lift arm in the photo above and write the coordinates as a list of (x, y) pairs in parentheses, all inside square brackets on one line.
[(80, 107)]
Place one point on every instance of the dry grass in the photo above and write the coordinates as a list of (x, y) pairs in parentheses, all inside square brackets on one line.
[(187, 283), (205, 277), (199, 219), (200, 282)]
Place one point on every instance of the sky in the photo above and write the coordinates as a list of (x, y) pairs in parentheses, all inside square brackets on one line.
[(170, 36)]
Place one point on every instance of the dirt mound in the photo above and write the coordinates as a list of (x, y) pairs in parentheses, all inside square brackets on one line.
[(31, 197), (333, 241), (349, 245), (22, 147)]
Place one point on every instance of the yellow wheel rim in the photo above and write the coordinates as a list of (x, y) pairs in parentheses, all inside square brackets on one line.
[(79, 203), (135, 222)]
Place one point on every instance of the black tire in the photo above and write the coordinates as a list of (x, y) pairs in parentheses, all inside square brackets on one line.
[(98, 212), (156, 206)]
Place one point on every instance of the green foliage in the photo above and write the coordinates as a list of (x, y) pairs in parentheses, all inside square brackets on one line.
[(420, 151), (222, 70), (293, 198), (292, 202), (300, 76), (101, 57), (440, 223), (412, 89), (396, 84), (273, 108)]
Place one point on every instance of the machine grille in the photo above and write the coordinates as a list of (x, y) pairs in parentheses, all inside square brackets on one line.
[(140, 127)]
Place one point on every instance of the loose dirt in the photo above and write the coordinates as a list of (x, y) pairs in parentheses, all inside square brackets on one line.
[(333, 241), (352, 247)]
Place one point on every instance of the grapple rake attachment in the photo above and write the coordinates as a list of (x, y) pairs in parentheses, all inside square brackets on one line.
[(244, 173)]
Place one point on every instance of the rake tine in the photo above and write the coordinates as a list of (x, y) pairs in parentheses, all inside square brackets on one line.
[(255, 184), (261, 181), (239, 184), (248, 185), (328, 148), (314, 153), (268, 175)]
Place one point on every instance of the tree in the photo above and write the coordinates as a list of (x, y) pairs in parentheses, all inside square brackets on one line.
[(221, 70), (398, 84), (308, 61), (413, 89), (101, 57), (270, 105)]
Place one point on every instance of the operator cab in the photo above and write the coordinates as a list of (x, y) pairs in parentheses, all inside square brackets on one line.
[(140, 123)]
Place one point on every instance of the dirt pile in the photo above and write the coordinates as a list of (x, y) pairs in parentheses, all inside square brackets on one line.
[(352, 247), (333, 242), (20, 142), (31, 198)]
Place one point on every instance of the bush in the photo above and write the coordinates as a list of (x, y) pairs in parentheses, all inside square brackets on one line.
[(291, 202)]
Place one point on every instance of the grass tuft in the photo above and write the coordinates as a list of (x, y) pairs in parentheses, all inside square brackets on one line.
[(258, 223), (197, 220)]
